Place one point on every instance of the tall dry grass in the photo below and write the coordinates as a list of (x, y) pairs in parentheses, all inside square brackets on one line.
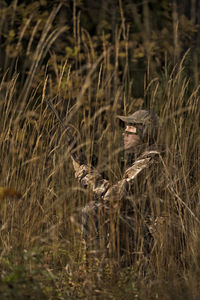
[(41, 245)]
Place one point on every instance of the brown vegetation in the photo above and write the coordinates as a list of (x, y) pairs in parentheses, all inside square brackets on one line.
[(42, 253)]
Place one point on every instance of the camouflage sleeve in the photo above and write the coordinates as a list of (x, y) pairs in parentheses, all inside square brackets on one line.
[(102, 188), (92, 179)]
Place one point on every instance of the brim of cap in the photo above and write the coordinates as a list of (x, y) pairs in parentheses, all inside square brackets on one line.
[(127, 119)]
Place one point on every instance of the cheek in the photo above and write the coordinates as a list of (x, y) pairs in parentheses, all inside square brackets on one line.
[(127, 139), (135, 140)]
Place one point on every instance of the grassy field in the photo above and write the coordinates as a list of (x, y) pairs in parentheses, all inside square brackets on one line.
[(42, 253)]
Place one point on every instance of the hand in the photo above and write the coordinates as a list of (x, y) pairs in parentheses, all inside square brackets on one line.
[(80, 170), (76, 166)]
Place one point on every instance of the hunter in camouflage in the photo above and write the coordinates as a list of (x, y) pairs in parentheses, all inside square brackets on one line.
[(122, 218)]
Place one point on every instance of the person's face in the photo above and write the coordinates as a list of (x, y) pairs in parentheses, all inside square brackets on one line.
[(131, 139)]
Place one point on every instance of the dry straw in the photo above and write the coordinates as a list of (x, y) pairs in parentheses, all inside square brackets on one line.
[(35, 160)]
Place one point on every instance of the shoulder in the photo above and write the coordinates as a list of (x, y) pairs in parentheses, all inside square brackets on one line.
[(149, 158), (137, 168), (154, 152)]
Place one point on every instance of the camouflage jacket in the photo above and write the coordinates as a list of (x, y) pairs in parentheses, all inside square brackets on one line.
[(138, 209), (135, 179)]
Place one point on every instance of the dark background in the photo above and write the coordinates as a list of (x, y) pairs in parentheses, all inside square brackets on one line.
[(158, 35)]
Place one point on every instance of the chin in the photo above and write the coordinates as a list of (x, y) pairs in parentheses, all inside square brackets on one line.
[(129, 150)]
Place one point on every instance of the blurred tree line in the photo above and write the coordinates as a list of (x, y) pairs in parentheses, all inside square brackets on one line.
[(147, 36)]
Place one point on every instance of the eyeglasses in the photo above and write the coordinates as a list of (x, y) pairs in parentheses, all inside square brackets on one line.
[(130, 133), (137, 126)]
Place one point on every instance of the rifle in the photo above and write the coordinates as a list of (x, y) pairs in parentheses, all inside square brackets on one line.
[(78, 157)]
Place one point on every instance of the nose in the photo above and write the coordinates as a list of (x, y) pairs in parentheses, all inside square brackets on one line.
[(125, 134)]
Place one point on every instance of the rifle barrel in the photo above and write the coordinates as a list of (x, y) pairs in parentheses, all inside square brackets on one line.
[(59, 119), (71, 139)]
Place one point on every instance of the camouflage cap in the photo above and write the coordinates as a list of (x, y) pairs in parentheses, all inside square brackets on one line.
[(149, 121), (141, 117)]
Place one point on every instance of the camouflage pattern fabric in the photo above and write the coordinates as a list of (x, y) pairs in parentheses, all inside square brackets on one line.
[(123, 219)]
